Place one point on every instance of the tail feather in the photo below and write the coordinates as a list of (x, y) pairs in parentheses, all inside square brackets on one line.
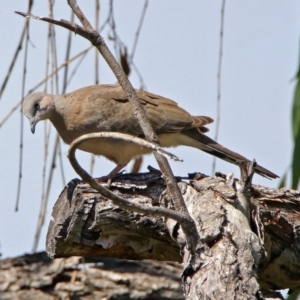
[(211, 147)]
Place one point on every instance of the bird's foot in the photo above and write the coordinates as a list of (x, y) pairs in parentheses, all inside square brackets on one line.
[(104, 179), (113, 174)]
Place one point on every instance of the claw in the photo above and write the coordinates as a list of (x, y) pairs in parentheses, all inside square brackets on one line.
[(113, 174)]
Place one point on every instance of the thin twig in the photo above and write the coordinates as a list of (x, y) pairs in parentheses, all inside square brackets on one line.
[(83, 52), (46, 148), (97, 16), (107, 19), (75, 69), (137, 35), (142, 82), (46, 134), (54, 85), (19, 47), (97, 21), (44, 203), (10, 113), (138, 31), (64, 89), (112, 24), (119, 44), (92, 164), (61, 164), (22, 122), (78, 55), (67, 57), (54, 61), (219, 80), (52, 39)]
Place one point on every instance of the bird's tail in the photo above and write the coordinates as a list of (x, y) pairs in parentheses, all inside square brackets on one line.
[(210, 146)]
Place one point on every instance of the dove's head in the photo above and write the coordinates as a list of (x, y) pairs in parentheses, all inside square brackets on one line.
[(37, 107)]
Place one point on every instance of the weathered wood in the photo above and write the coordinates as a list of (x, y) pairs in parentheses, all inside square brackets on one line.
[(249, 250), (37, 277), (88, 224), (279, 214)]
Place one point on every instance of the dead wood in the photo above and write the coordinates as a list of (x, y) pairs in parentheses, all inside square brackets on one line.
[(240, 257), (36, 277)]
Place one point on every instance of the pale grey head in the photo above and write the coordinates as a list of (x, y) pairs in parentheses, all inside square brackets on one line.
[(38, 107)]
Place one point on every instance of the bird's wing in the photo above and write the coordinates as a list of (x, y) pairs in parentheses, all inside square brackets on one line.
[(106, 108), (164, 114)]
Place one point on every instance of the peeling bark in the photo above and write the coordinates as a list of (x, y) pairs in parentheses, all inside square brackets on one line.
[(36, 277), (250, 240)]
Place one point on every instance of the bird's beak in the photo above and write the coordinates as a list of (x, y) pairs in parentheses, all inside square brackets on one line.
[(33, 122)]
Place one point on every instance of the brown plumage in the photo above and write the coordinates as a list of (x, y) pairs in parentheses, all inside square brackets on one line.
[(100, 108)]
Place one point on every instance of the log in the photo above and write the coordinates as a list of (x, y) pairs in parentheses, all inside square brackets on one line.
[(88, 224), (251, 241), (36, 277)]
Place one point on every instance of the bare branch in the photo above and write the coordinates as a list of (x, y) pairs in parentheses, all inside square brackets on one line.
[(19, 47), (97, 20), (138, 31), (219, 80), (22, 119), (44, 203)]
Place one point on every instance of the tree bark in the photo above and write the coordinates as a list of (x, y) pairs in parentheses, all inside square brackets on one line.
[(37, 277), (251, 240)]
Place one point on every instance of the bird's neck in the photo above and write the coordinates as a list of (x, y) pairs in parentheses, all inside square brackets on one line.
[(60, 123)]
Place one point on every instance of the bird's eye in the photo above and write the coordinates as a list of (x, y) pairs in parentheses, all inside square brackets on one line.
[(36, 105)]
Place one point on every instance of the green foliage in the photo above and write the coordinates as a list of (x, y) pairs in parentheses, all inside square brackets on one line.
[(283, 179), (293, 295), (296, 162), (296, 134)]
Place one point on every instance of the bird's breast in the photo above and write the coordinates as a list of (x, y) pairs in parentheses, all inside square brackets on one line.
[(120, 152)]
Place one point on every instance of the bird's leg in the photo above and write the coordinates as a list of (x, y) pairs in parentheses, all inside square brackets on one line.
[(108, 178)]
